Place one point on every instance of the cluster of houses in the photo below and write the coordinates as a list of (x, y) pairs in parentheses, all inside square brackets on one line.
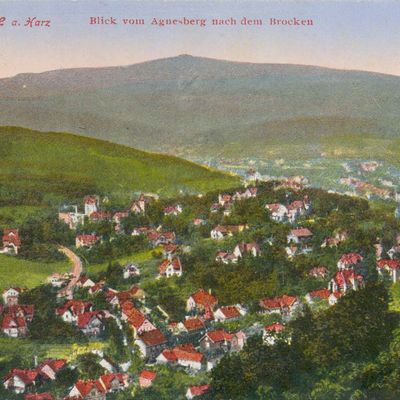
[(289, 212), (15, 318), (196, 343)]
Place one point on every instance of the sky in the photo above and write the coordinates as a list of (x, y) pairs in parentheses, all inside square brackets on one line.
[(358, 35)]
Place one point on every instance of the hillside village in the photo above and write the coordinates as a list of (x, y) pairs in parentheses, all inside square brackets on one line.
[(216, 273)]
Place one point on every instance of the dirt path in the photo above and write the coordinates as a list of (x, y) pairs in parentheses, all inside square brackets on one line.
[(76, 272)]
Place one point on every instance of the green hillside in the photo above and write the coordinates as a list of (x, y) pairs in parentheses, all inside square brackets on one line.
[(37, 167), (24, 273)]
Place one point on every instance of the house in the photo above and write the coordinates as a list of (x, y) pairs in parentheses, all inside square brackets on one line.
[(98, 216), (201, 301), (97, 288), (151, 343), (215, 207), (146, 378), (173, 210), (86, 240), (278, 212), (169, 250), (226, 257), (199, 221), (171, 267), (298, 208), (114, 382), (71, 309), (48, 369), (272, 332), (90, 323), (221, 340), (39, 396), (139, 206), (249, 193), (19, 380), (88, 390), (58, 280), (72, 219), (130, 270), (13, 326), (192, 325), (390, 266), (196, 391), (136, 319), (349, 260), (299, 235), (242, 249), (119, 216), (284, 305), (318, 272), (345, 280), (11, 241), (334, 241), (10, 295), (315, 295), (91, 204), (228, 313), (220, 231), (84, 282), (183, 355), (142, 230), (334, 297), (117, 298), (158, 238), (20, 310)]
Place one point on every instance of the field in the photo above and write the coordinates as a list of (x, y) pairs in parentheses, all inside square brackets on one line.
[(16, 215), (23, 273)]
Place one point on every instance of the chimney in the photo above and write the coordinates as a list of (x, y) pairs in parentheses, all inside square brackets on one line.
[(35, 361), (209, 291)]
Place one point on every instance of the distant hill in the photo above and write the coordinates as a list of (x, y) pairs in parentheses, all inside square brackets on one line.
[(51, 166), (197, 106)]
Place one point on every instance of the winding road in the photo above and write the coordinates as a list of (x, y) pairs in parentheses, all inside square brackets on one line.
[(76, 272)]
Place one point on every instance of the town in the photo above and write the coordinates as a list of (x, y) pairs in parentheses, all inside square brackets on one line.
[(180, 287)]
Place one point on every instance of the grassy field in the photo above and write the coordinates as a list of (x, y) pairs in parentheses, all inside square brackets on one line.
[(16, 215), (140, 257), (16, 272), (68, 166)]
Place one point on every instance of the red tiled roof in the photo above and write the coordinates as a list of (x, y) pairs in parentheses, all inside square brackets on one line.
[(351, 258), (54, 364), (199, 390), (320, 293), (301, 232), (278, 302), (75, 306), (85, 318), (193, 324), (84, 387), (153, 338), (109, 378), (230, 312), (27, 376), (88, 238), (90, 200), (11, 236), (100, 215), (146, 374), (175, 262), (392, 264), (203, 298), (219, 336), (275, 327), (10, 321)]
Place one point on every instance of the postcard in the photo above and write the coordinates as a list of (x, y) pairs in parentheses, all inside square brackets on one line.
[(199, 199)]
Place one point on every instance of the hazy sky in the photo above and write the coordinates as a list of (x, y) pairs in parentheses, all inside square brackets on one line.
[(348, 35)]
